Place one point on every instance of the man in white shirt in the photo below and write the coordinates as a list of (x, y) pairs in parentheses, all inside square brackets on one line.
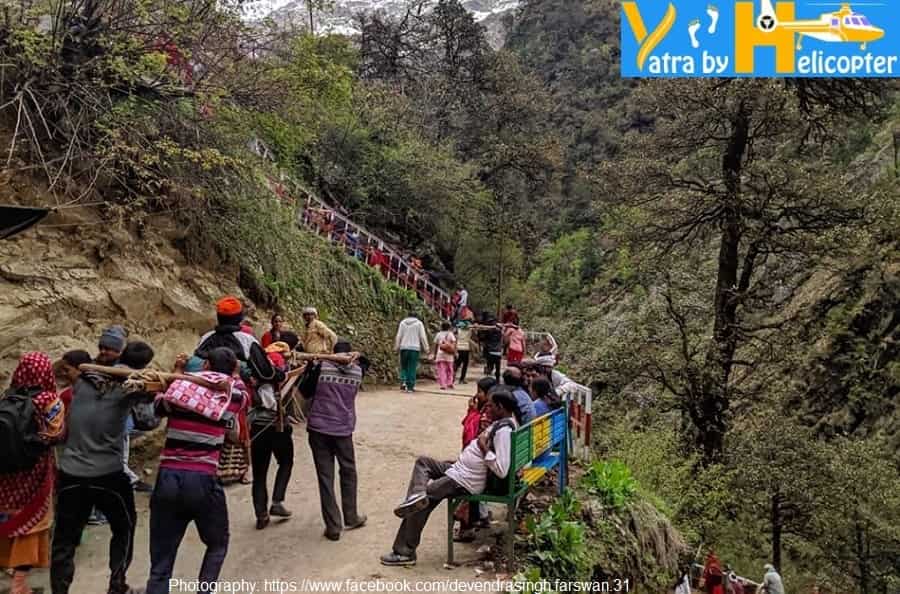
[(433, 481)]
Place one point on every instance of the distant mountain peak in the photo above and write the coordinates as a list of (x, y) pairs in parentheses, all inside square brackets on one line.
[(339, 17)]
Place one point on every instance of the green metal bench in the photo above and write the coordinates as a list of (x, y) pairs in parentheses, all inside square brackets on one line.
[(535, 449)]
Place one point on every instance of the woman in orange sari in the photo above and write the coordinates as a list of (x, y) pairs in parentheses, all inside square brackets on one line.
[(26, 497)]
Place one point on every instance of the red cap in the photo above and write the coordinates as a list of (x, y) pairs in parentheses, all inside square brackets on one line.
[(229, 306)]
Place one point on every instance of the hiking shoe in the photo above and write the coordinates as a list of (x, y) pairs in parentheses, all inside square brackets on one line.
[(333, 536), (413, 504), (142, 487), (359, 523), (393, 559), (262, 522), (279, 511), (403, 388)]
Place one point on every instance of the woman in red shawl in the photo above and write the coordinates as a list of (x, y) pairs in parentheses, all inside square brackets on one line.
[(713, 582), (26, 497)]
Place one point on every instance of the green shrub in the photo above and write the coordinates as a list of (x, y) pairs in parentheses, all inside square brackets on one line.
[(556, 539), (611, 481)]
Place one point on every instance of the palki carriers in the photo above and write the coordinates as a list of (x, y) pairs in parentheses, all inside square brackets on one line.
[(204, 401)]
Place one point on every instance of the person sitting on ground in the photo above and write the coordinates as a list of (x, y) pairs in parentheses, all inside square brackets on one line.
[(317, 338), (91, 471), (331, 423), (434, 481), (545, 399), (274, 333), (513, 378), (187, 488), (26, 490)]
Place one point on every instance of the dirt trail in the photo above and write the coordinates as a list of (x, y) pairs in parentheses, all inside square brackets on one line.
[(392, 429)]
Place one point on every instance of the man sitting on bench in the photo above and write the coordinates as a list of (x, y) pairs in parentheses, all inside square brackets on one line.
[(433, 481)]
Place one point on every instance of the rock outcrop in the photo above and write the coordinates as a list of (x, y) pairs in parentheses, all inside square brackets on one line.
[(66, 279)]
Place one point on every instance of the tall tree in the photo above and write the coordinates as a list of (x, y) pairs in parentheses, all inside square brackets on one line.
[(744, 171)]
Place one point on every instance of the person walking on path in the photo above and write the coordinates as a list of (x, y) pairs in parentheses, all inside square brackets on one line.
[(772, 583), (444, 355), (510, 316), (317, 338), (411, 341), (26, 493), (713, 578), (514, 338), (91, 472), (463, 348), (274, 333), (433, 481), (331, 422), (270, 435), (490, 335), (187, 488)]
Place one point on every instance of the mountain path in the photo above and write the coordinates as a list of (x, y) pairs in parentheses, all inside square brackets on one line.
[(392, 429)]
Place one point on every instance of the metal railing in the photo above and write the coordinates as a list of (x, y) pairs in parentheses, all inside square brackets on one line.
[(359, 242), (364, 245), (579, 400)]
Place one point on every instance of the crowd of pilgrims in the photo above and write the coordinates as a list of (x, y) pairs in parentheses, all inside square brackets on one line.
[(71, 447)]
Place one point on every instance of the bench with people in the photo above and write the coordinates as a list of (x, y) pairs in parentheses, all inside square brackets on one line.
[(508, 447)]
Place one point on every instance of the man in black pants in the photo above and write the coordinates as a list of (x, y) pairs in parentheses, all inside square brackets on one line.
[(463, 347), (491, 337), (91, 473), (270, 434)]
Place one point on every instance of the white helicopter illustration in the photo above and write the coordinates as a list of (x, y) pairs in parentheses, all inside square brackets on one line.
[(842, 26)]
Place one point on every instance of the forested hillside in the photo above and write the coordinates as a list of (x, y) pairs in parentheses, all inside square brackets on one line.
[(733, 297), (718, 258)]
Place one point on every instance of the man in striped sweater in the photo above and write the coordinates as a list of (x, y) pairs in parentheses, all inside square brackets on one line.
[(187, 489)]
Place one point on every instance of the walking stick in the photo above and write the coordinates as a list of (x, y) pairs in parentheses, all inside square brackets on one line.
[(149, 380)]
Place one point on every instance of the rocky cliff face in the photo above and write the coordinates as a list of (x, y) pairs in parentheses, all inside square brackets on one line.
[(66, 279)]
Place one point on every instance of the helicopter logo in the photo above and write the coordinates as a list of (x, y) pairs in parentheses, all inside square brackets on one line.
[(841, 26)]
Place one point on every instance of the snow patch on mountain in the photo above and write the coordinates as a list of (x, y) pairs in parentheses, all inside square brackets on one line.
[(340, 16)]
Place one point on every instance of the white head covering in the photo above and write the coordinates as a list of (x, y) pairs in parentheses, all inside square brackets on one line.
[(310, 310), (545, 361)]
